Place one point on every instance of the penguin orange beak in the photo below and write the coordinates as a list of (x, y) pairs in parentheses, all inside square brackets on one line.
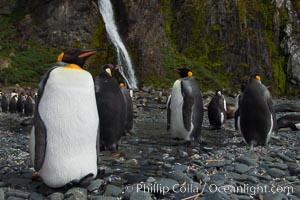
[(117, 67), (86, 54), (89, 53)]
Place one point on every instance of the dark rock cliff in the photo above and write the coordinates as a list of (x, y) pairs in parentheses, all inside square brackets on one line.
[(222, 41)]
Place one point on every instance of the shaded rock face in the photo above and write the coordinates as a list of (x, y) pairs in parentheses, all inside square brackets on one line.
[(64, 23), (227, 34), (143, 27), (238, 38), (291, 41)]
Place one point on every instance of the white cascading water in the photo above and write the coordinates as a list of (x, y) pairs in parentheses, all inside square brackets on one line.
[(123, 56)]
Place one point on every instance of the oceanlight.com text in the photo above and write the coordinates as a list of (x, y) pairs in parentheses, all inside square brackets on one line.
[(213, 188)]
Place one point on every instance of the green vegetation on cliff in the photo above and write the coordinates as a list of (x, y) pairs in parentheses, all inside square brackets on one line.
[(21, 61), (202, 55), (201, 38)]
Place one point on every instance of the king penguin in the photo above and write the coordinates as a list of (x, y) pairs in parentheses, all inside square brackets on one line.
[(185, 107), (111, 108), (29, 106), (4, 103), (217, 110), (257, 119), (13, 104), (128, 107), (20, 103), (63, 142)]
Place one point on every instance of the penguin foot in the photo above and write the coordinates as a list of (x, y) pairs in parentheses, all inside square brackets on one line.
[(191, 144), (35, 176)]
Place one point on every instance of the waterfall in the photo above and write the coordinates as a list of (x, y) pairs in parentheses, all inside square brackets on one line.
[(126, 70)]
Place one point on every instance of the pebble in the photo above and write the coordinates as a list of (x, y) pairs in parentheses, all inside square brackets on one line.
[(14, 198), (246, 161), (2, 195), (284, 157), (140, 196), (102, 198), (112, 190), (278, 166), (168, 183), (76, 193), (276, 173), (180, 168), (276, 196), (55, 196), (241, 168), (18, 193), (36, 196), (95, 185)]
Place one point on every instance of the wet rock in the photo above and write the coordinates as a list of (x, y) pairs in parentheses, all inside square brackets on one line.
[(217, 179), (135, 178), (276, 196), (168, 183), (180, 168), (76, 193), (276, 173), (180, 177), (278, 166), (241, 168), (112, 190), (14, 198), (2, 195), (36, 196), (18, 193), (183, 154), (243, 177), (150, 180), (55, 196), (284, 157), (215, 164), (132, 162), (95, 185), (102, 198), (201, 177), (246, 160), (140, 196)]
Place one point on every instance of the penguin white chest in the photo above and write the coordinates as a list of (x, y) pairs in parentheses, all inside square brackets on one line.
[(177, 125), (69, 112)]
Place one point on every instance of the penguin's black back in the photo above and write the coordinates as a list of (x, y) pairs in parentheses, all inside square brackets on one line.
[(128, 109), (13, 105), (111, 109), (20, 104), (29, 106), (4, 103), (215, 108), (255, 113)]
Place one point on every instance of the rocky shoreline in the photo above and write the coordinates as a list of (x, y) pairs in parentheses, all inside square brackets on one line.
[(150, 165)]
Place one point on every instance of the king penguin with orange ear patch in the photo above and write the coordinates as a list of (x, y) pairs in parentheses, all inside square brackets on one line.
[(257, 118), (63, 142), (185, 107)]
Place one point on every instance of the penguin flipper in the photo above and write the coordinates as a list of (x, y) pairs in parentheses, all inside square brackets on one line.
[(40, 132), (272, 110), (168, 113), (188, 102)]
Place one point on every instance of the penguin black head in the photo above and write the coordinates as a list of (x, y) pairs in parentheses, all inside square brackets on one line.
[(108, 70), (184, 72), (76, 56), (243, 87)]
